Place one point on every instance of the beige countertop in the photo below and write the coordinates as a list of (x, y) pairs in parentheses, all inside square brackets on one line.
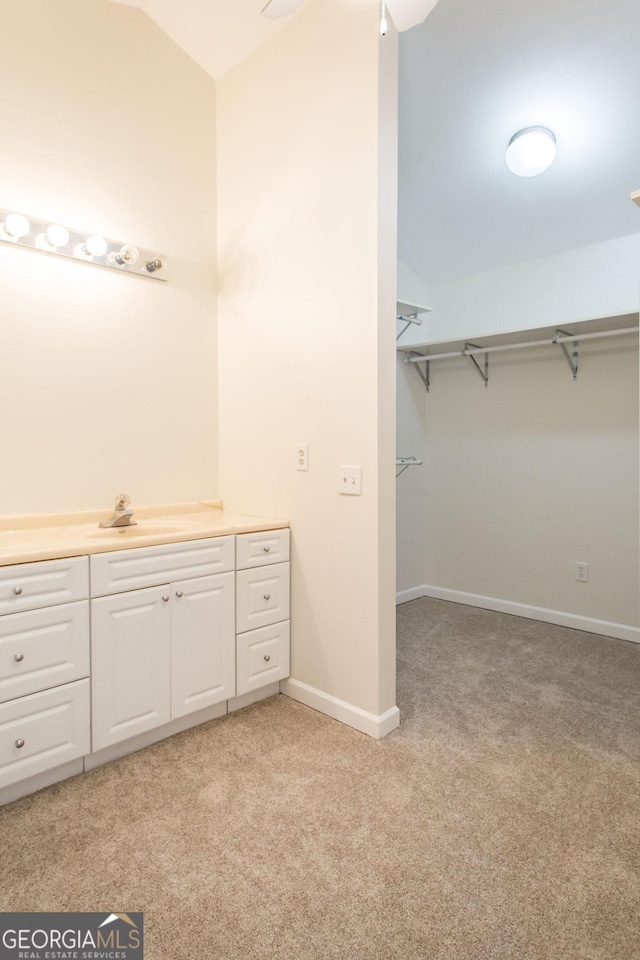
[(51, 536)]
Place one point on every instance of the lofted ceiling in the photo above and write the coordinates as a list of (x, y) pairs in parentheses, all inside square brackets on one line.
[(472, 75), (218, 34)]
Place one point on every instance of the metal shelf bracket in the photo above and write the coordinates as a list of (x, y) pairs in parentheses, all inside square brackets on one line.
[(572, 359), (408, 321), (485, 375), (425, 377), (405, 462)]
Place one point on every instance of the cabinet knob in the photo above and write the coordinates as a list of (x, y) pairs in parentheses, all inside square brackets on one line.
[(179, 593), (267, 657), (166, 598), (17, 591), (267, 596), (20, 743), (267, 549), (18, 657)]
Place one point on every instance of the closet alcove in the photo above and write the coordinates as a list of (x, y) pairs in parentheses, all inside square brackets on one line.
[(525, 415)]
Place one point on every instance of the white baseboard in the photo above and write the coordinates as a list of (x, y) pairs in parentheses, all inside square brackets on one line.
[(414, 593), (619, 631), (369, 723)]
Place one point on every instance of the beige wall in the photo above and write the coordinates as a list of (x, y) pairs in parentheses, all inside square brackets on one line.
[(108, 382), (307, 333), (534, 473)]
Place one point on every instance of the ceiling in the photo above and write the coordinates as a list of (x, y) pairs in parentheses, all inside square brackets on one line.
[(218, 34), (477, 71)]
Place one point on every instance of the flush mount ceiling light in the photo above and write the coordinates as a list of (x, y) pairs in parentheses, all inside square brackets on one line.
[(531, 151), (89, 248)]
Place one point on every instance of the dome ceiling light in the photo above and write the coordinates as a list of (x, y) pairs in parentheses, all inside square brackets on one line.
[(531, 151)]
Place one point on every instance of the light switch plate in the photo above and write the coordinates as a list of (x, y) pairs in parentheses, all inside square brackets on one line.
[(350, 481)]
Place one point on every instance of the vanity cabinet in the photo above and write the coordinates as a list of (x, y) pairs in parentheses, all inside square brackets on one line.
[(165, 651), (99, 650), (44, 666)]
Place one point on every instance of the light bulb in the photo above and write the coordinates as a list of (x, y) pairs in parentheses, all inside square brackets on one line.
[(96, 246), (57, 235), (16, 225), (531, 151), (152, 265), (126, 256), (80, 251)]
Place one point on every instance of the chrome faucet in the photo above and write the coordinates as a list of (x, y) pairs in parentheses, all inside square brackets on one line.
[(122, 513)]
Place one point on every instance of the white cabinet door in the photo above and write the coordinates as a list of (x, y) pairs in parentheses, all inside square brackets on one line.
[(130, 664), (202, 643)]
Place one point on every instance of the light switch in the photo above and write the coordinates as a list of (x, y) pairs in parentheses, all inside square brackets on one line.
[(350, 481)]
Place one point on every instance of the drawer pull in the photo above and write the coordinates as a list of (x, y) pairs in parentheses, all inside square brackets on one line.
[(179, 593), (17, 591), (267, 549), (20, 743), (267, 596), (166, 598), (267, 657), (19, 657)]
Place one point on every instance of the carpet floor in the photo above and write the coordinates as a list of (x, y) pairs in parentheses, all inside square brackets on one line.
[(502, 820)]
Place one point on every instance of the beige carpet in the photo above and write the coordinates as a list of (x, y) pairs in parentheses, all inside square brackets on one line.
[(500, 821)]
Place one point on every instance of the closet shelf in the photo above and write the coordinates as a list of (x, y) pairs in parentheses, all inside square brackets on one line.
[(426, 353), (409, 313), (406, 462)]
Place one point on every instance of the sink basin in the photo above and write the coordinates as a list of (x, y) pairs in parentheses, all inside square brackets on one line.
[(139, 530)]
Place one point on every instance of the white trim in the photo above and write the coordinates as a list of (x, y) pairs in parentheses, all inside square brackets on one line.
[(413, 593), (142, 740), (238, 703), (40, 781), (369, 723), (605, 628)]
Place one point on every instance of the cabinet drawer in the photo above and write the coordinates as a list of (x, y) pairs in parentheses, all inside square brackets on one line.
[(262, 596), (262, 657), (256, 549), (27, 586), (43, 648), (151, 566), (53, 728)]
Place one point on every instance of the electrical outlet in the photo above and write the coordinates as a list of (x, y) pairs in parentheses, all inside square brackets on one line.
[(350, 481), (582, 571), (302, 456)]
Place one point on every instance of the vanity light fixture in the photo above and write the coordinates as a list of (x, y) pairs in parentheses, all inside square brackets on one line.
[(74, 245), (531, 151)]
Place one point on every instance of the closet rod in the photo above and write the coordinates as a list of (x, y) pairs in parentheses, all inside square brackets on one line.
[(517, 346)]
